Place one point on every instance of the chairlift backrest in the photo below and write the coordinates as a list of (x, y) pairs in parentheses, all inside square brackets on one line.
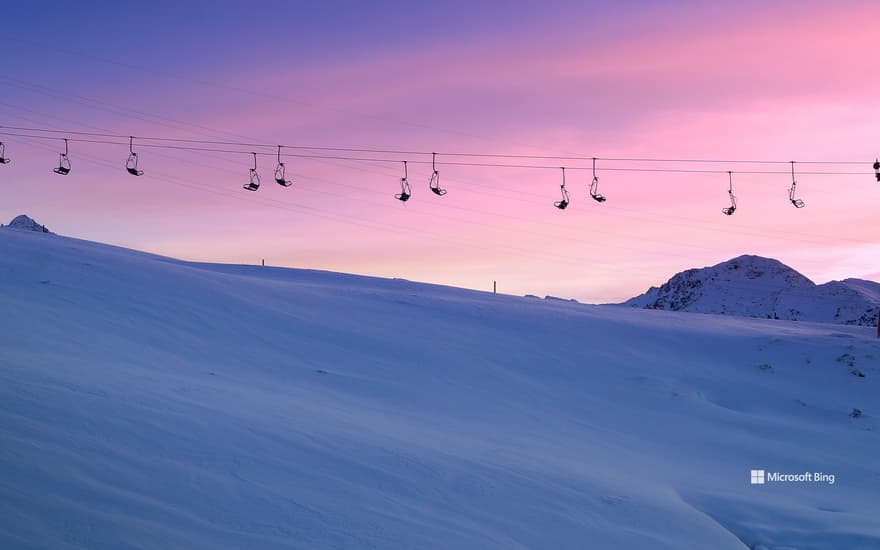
[(63, 161), (63, 165), (434, 184), (594, 190), (254, 178), (280, 177), (732, 208), (280, 170), (254, 182), (594, 185), (131, 165), (405, 190), (798, 203), (562, 204)]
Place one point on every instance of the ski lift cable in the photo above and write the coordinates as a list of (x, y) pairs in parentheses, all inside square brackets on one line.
[(296, 208), (615, 208), (683, 221), (621, 209), (425, 162), (628, 212), (128, 111), (687, 222), (240, 197), (433, 153), (477, 223)]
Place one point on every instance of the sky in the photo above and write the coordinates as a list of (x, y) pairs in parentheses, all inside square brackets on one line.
[(773, 81)]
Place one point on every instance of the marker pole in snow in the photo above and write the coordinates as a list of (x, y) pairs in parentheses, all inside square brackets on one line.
[(494, 287), (878, 324)]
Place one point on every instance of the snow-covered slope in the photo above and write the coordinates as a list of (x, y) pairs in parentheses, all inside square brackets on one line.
[(151, 403), (753, 286)]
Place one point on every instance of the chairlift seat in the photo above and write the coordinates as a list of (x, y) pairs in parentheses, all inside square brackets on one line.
[(729, 210), (280, 177), (562, 205), (251, 186), (62, 170), (798, 203), (4, 160), (598, 198), (403, 197), (434, 184), (135, 172)]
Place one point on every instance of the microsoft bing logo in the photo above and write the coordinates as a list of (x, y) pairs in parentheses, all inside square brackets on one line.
[(762, 477)]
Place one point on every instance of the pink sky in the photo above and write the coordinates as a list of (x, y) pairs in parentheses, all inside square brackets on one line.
[(780, 85)]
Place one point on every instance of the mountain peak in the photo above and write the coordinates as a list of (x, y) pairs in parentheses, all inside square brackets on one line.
[(27, 223), (755, 286), (760, 266)]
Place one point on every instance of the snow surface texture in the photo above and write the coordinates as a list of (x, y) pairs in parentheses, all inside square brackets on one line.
[(26, 223), (752, 286), (151, 403)]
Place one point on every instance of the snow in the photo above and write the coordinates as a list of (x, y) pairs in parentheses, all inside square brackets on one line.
[(28, 224), (753, 286), (147, 402)]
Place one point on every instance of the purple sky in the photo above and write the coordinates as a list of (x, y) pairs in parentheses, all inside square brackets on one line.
[(777, 81)]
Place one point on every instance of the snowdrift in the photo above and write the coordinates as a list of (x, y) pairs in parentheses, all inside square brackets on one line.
[(147, 402)]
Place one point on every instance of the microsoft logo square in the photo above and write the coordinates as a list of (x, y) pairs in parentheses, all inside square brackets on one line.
[(757, 477)]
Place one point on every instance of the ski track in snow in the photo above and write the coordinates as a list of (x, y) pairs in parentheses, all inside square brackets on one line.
[(147, 402)]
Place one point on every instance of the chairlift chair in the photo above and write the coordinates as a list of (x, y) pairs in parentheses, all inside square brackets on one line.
[(732, 208), (405, 189), (877, 169), (3, 158), (434, 180), (562, 204), (279, 172), (254, 182), (594, 186), (798, 203), (131, 165), (594, 191), (63, 162)]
